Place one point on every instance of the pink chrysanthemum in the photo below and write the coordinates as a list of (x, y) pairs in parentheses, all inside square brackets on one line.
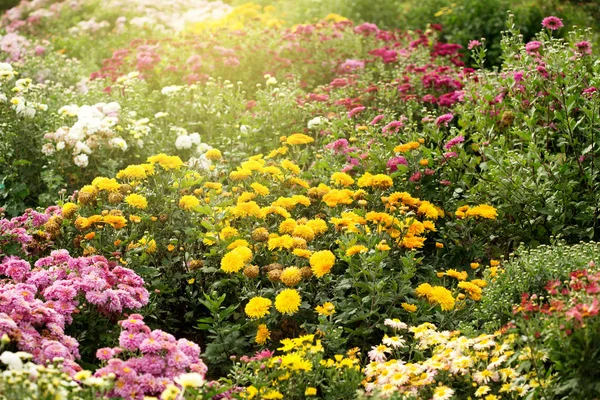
[(553, 23)]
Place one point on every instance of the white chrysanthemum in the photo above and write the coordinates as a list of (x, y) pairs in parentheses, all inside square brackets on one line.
[(190, 380), (183, 142), (48, 149), (118, 143), (81, 147), (315, 122), (395, 323), (195, 138), (81, 160)]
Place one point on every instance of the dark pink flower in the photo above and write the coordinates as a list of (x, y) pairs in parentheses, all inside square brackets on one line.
[(444, 119), (553, 23)]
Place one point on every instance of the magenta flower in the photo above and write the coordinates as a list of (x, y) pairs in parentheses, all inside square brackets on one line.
[(454, 141), (584, 47), (377, 119), (393, 163), (533, 47), (416, 177), (444, 119), (553, 23)]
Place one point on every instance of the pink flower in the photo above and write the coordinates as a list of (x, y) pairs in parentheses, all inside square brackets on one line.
[(377, 119), (355, 111), (450, 154), (553, 23), (533, 47), (454, 141), (105, 353), (584, 47), (415, 177), (352, 65), (444, 119), (445, 182), (473, 44), (393, 163), (394, 126)]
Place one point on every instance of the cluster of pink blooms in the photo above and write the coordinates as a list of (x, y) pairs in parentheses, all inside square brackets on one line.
[(37, 303), (16, 231), (146, 361)]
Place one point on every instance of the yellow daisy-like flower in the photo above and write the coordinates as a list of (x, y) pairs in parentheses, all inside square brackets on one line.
[(135, 172), (409, 307), (298, 138), (137, 201), (188, 202), (235, 260), (304, 231), (326, 309), (310, 391), (483, 211), (288, 301), (109, 185), (287, 226), (258, 307), (357, 249), (262, 334), (321, 262)]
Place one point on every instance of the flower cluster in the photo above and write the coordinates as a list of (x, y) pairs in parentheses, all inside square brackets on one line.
[(147, 361)]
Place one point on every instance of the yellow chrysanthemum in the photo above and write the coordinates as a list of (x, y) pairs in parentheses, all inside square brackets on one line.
[(165, 161), (321, 262), (342, 179), (189, 202), (262, 334), (137, 201), (326, 309), (258, 307), (288, 301), (291, 276), (298, 138), (356, 249)]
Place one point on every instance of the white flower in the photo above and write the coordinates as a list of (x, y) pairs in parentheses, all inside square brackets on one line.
[(6, 71), (81, 160), (244, 129), (81, 147), (195, 138), (118, 143), (183, 142), (315, 122), (60, 145), (161, 114), (395, 323), (442, 393), (377, 353), (12, 360), (271, 80), (393, 341), (200, 163), (3, 98), (48, 149), (168, 90), (111, 109), (203, 147), (192, 379)]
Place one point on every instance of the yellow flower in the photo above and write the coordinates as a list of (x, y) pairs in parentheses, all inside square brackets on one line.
[(228, 232), (403, 148), (136, 172), (383, 246), (291, 276), (356, 250), (441, 296), (318, 225), (483, 211), (281, 242), (321, 262), (290, 166), (342, 179), (272, 395), (288, 301), (298, 138), (165, 161), (335, 197), (137, 201), (69, 209), (461, 276), (413, 242), (472, 290), (238, 243), (304, 231), (189, 203), (287, 226), (213, 155), (260, 189), (258, 307), (326, 309), (409, 307), (116, 221), (494, 263), (235, 260), (110, 185), (262, 334), (310, 391)]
